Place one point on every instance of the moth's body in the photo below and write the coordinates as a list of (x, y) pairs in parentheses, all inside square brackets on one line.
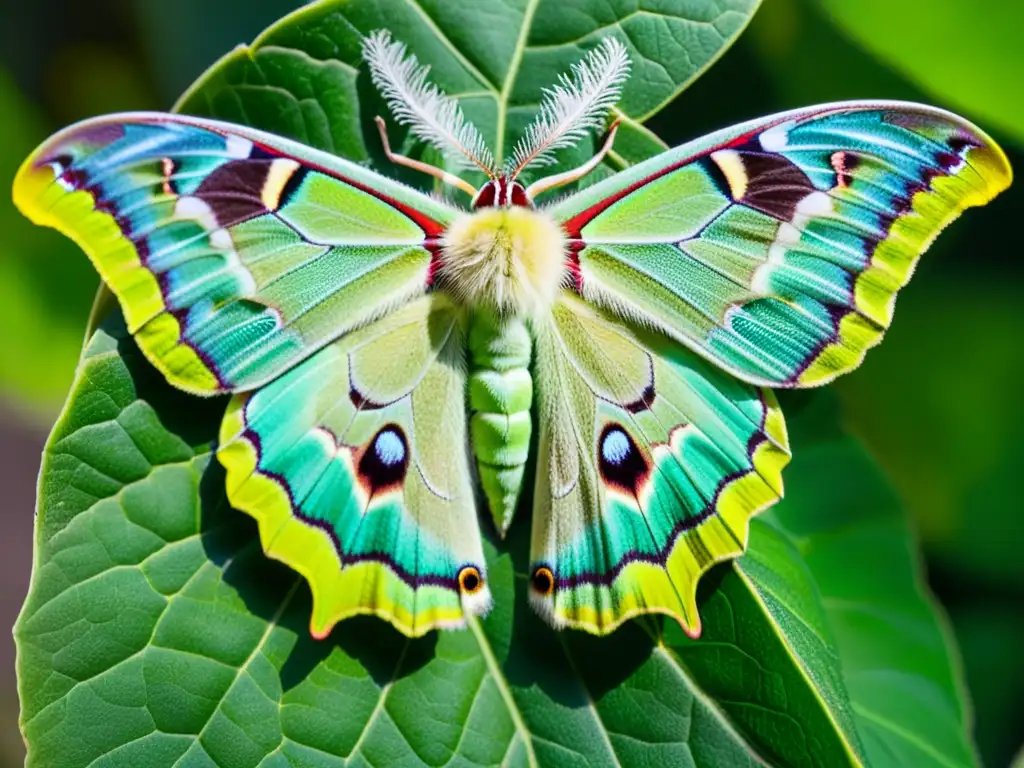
[(354, 319), (500, 401), (505, 261)]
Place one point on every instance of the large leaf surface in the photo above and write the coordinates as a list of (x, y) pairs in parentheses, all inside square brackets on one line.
[(844, 522), (155, 631)]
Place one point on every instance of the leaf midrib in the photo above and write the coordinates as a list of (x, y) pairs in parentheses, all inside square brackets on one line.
[(503, 688), (510, 78), (244, 666), (801, 667), (459, 55)]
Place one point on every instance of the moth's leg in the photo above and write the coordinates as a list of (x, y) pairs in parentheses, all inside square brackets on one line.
[(448, 178), (561, 179)]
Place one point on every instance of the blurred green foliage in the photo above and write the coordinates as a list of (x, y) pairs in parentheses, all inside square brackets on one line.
[(934, 404), (44, 285), (965, 54)]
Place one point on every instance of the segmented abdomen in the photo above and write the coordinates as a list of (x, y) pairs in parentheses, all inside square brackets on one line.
[(500, 395)]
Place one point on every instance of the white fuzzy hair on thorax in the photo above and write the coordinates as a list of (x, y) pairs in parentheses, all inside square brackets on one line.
[(511, 260)]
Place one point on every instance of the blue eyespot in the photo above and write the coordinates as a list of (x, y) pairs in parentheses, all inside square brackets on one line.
[(390, 448), (384, 463), (620, 461), (615, 447)]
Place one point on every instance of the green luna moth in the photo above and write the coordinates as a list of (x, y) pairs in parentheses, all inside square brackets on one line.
[(394, 358)]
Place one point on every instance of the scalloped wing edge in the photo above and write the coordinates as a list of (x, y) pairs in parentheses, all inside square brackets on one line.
[(737, 501), (309, 551), (157, 332)]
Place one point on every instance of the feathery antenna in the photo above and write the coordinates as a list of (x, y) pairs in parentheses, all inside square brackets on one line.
[(573, 107), (432, 115)]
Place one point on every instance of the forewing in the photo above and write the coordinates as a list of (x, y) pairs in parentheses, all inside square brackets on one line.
[(651, 463), (234, 253), (355, 465), (776, 248)]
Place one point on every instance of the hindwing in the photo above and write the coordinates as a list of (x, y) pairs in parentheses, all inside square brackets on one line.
[(651, 463), (355, 464)]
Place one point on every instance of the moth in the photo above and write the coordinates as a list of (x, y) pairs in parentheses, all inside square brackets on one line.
[(394, 358)]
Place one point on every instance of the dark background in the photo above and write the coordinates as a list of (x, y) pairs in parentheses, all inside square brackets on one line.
[(936, 403)]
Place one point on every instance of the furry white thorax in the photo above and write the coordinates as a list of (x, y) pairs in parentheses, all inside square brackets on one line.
[(513, 260)]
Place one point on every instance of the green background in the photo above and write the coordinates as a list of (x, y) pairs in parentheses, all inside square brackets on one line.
[(934, 404)]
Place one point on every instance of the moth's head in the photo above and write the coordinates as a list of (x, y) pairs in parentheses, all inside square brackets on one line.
[(572, 107), (502, 192)]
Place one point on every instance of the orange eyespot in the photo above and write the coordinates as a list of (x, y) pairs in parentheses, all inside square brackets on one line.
[(543, 580), (470, 580)]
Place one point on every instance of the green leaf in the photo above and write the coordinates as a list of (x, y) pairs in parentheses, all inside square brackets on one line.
[(895, 645), (968, 58), (155, 631), (300, 78)]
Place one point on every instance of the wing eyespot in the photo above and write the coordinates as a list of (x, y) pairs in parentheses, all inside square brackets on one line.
[(470, 580), (543, 581), (383, 465), (620, 461)]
